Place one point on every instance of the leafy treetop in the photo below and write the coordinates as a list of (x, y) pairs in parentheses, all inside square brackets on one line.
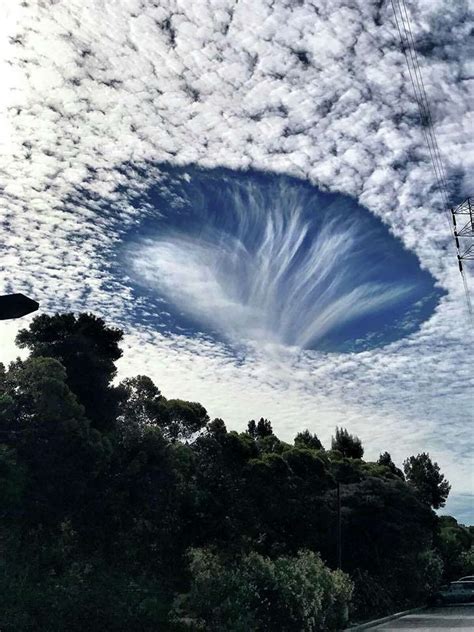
[(425, 477), (348, 445)]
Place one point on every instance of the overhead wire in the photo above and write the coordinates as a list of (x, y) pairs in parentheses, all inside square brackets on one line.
[(402, 21), (424, 99), (409, 57), (423, 90), (431, 132), (424, 109)]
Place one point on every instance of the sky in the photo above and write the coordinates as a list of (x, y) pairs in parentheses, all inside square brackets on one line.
[(244, 187)]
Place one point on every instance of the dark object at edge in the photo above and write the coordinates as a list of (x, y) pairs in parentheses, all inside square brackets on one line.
[(16, 305)]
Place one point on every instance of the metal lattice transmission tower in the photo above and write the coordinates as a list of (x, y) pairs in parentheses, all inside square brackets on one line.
[(463, 223)]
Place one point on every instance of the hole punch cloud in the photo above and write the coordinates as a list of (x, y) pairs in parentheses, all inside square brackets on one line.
[(93, 98), (251, 256)]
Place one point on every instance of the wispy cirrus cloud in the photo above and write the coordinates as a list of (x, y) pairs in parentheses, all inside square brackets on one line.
[(271, 259)]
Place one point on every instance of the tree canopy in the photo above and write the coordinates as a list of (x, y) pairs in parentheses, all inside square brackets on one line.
[(425, 477), (348, 445), (307, 440), (88, 350), (122, 509)]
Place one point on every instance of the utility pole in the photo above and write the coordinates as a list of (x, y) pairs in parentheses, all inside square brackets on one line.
[(339, 527), (465, 231)]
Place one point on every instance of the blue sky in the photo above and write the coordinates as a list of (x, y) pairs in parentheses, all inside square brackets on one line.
[(105, 102)]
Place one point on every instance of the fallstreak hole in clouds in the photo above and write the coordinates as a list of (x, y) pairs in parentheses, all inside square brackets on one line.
[(252, 256)]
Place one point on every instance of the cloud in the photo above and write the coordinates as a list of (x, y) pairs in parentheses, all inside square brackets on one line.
[(269, 258), (98, 91)]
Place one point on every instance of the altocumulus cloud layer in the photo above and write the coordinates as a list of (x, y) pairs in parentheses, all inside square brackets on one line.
[(96, 94)]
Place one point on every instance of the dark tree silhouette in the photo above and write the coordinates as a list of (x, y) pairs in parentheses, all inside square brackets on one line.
[(217, 427), (106, 492), (307, 440), (140, 403), (348, 445), (143, 405), (261, 429), (43, 421), (252, 428), (88, 349), (183, 419), (425, 477), (386, 460)]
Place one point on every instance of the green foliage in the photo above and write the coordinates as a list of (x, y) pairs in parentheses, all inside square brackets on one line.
[(88, 349), (39, 393), (140, 402), (184, 419), (261, 429), (12, 484), (43, 421), (143, 405), (371, 598), (84, 596), (308, 466), (307, 440), (430, 572), (217, 428), (257, 593), (348, 445), (385, 526), (467, 561), (103, 489), (378, 593), (425, 477), (386, 461), (455, 544)]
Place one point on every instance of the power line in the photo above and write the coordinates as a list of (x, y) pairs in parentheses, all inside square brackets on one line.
[(430, 132), (423, 90), (411, 62), (416, 78), (402, 21), (424, 98)]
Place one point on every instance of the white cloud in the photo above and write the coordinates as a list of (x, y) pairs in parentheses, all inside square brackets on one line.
[(314, 89), (265, 274)]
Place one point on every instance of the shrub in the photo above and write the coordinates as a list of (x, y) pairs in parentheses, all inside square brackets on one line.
[(256, 593)]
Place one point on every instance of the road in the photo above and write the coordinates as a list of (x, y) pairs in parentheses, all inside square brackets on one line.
[(456, 618)]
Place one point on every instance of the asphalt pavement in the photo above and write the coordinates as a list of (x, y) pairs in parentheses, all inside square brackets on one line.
[(458, 618)]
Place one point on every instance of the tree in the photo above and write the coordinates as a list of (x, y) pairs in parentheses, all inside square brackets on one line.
[(307, 440), (221, 510), (103, 489), (386, 460), (425, 477), (254, 592), (265, 440), (88, 349), (261, 429), (348, 445), (140, 403), (12, 482), (455, 543), (217, 427), (183, 420), (136, 504), (385, 528), (38, 394), (42, 420)]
